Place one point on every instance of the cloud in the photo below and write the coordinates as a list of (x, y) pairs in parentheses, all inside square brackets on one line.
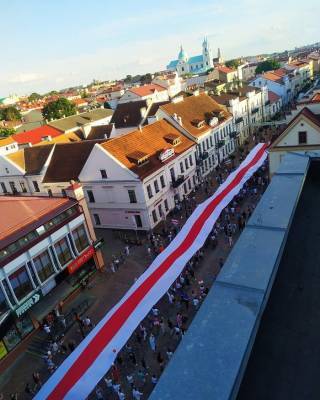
[(26, 78)]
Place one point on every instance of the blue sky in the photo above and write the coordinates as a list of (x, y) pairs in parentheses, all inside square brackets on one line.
[(54, 44)]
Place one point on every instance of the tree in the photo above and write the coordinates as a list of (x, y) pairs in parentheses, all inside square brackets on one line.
[(128, 79), (58, 109), (84, 94), (147, 78), (267, 65), (5, 132), (34, 97), (233, 63), (10, 114)]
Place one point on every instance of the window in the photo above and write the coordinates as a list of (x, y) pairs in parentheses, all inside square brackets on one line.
[(21, 283), (80, 238), (63, 251), (160, 210), (186, 163), (103, 174), (8, 292), (50, 193), (173, 176), (207, 142), (138, 221), (3, 303), (43, 266), (96, 219), (154, 216), (13, 187), (181, 168), (156, 186), (64, 193), (190, 160), (91, 196), (132, 196), (149, 190), (189, 184), (302, 137), (23, 187), (211, 141), (36, 186), (166, 205), (3, 188), (194, 180), (162, 181)]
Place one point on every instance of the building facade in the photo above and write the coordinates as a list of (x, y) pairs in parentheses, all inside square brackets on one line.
[(50, 248)]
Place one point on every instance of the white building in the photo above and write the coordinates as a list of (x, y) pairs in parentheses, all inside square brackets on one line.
[(194, 65), (152, 92), (172, 82), (207, 123), (8, 145), (133, 181), (302, 133)]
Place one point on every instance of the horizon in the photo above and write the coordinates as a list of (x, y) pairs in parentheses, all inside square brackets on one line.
[(81, 38)]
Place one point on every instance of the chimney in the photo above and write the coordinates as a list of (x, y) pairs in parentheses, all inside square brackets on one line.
[(180, 120)]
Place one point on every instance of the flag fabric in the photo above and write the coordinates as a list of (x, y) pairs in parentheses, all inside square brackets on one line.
[(78, 375)]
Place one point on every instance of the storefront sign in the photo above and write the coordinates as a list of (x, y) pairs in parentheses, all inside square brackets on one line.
[(85, 256), (28, 304), (3, 350)]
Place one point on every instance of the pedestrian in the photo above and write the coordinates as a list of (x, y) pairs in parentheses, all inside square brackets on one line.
[(14, 396), (160, 361), (141, 376), (155, 311), (72, 345), (47, 329), (169, 353), (132, 358), (170, 297), (28, 389), (109, 384), (163, 328), (144, 364), (87, 322), (99, 393), (152, 342), (112, 267), (121, 395), (127, 251), (154, 379), (54, 347), (179, 320), (230, 239), (130, 380), (37, 380), (116, 387), (136, 394), (195, 302), (115, 373), (144, 332)]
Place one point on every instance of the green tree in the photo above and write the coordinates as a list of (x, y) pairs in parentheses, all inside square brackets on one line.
[(147, 78), (34, 97), (58, 109), (267, 65), (233, 63), (5, 132), (84, 94), (128, 79), (10, 114)]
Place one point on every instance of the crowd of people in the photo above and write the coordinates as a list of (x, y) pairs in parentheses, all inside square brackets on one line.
[(139, 364)]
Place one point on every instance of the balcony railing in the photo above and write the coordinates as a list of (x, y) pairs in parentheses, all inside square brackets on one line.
[(199, 161), (238, 120), (177, 182), (204, 155), (234, 134), (220, 144), (254, 110)]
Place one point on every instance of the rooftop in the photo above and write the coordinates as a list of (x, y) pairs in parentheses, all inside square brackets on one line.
[(36, 135), (76, 121), (21, 212), (150, 142), (147, 90), (200, 108), (273, 97), (6, 141), (128, 114)]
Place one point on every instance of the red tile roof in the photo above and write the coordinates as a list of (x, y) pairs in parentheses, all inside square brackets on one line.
[(34, 136), (273, 97), (147, 90), (272, 77), (225, 70)]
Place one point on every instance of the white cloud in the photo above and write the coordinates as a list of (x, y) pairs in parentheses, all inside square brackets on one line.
[(26, 78)]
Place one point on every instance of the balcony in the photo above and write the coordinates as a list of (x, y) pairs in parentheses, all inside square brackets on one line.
[(239, 120), (177, 182), (220, 144), (267, 102), (234, 134), (199, 162), (204, 155), (254, 110)]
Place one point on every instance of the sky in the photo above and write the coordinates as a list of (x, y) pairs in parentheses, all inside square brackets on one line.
[(49, 45)]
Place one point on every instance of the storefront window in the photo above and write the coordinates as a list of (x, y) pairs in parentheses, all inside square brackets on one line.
[(3, 303), (21, 283), (8, 292), (80, 238), (24, 325), (43, 266), (63, 251), (11, 338)]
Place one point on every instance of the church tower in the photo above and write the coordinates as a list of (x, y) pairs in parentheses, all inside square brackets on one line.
[(207, 55)]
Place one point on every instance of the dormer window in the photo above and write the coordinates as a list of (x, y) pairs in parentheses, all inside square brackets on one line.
[(138, 157), (173, 139), (198, 123)]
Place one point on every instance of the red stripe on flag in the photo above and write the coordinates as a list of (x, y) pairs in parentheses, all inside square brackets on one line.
[(112, 326)]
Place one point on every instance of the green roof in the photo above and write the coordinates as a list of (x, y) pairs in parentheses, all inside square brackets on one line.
[(76, 121)]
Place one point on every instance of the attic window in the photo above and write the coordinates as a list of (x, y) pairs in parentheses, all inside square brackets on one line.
[(138, 157), (173, 139), (198, 123)]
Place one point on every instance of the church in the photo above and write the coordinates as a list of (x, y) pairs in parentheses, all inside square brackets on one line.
[(193, 65)]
